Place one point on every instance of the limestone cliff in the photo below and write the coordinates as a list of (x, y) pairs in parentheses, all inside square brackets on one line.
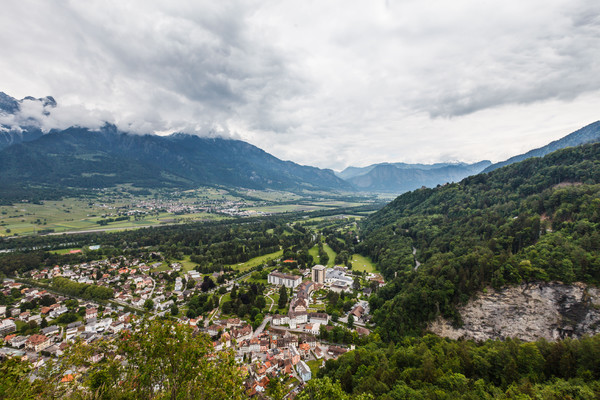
[(528, 312)]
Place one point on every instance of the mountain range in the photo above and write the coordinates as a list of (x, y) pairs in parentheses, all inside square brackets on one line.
[(79, 157), (401, 177)]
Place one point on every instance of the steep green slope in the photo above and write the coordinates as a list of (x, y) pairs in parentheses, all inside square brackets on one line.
[(587, 134), (535, 220)]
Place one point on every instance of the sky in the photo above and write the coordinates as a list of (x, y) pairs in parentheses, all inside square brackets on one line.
[(323, 83)]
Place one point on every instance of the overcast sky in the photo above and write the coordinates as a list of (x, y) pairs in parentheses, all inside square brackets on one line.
[(324, 83)]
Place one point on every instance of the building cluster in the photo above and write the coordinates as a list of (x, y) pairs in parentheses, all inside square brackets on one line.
[(276, 352), (52, 337)]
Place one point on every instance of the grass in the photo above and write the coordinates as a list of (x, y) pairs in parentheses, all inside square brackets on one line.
[(63, 251), (314, 366), (362, 263), (186, 264), (315, 253), (330, 253), (256, 261)]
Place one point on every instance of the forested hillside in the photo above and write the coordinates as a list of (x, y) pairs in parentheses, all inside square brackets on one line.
[(435, 368), (532, 221)]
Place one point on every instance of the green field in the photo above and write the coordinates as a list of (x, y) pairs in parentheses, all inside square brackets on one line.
[(315, 253), (79, 215), (330, 253), (362, 263), (256, 261)]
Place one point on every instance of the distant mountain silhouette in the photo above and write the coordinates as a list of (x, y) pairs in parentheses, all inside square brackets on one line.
[(400, 177)]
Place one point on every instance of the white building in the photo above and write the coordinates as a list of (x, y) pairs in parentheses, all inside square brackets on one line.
[(278, 278)]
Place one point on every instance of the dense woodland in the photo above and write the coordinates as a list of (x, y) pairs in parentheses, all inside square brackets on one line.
[(434, 368), (532, 221)]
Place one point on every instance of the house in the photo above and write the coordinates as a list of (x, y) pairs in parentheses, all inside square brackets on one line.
[(280, 320), (91, 313), (103, 324), (18, 341), (304, 349), (164, 306), (37, 343), (362, 331), (116, 327), (298, 304), (321, 318), (233, 322), (7, 326), (2, 311), (73, 330), (24, 316), (213, 330), (294, 355), (313, 328), (278, 278), (358, 311), (336, 351), (303, 371), (49, 331), (58, 311), (243, 333), (254, 345), (318, 352)]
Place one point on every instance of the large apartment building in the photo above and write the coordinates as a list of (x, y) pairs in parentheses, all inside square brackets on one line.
[(278, 278)]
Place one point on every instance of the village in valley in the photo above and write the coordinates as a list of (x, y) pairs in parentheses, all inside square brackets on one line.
[(297, 321)]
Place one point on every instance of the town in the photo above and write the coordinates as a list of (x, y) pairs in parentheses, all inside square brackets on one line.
[(296, 321)]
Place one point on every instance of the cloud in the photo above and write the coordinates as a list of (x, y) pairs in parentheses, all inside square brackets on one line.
[(323, 83)]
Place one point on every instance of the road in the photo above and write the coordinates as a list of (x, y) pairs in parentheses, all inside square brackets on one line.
[(259, 330), (417, 263)]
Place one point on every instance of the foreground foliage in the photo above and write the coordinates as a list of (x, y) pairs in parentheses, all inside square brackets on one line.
[(161, 360)]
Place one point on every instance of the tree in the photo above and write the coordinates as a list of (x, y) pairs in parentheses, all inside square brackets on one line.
[(335, 316), (149, 304), (351, 321), (44, 323), (207, 284), (260, 302), (174, 310), (165, 360), (325, 389), (283, 297)]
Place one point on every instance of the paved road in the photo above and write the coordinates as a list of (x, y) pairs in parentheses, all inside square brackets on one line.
[(259, 330)]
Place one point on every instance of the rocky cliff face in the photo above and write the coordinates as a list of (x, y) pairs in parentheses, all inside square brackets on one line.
[(528, 312)]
